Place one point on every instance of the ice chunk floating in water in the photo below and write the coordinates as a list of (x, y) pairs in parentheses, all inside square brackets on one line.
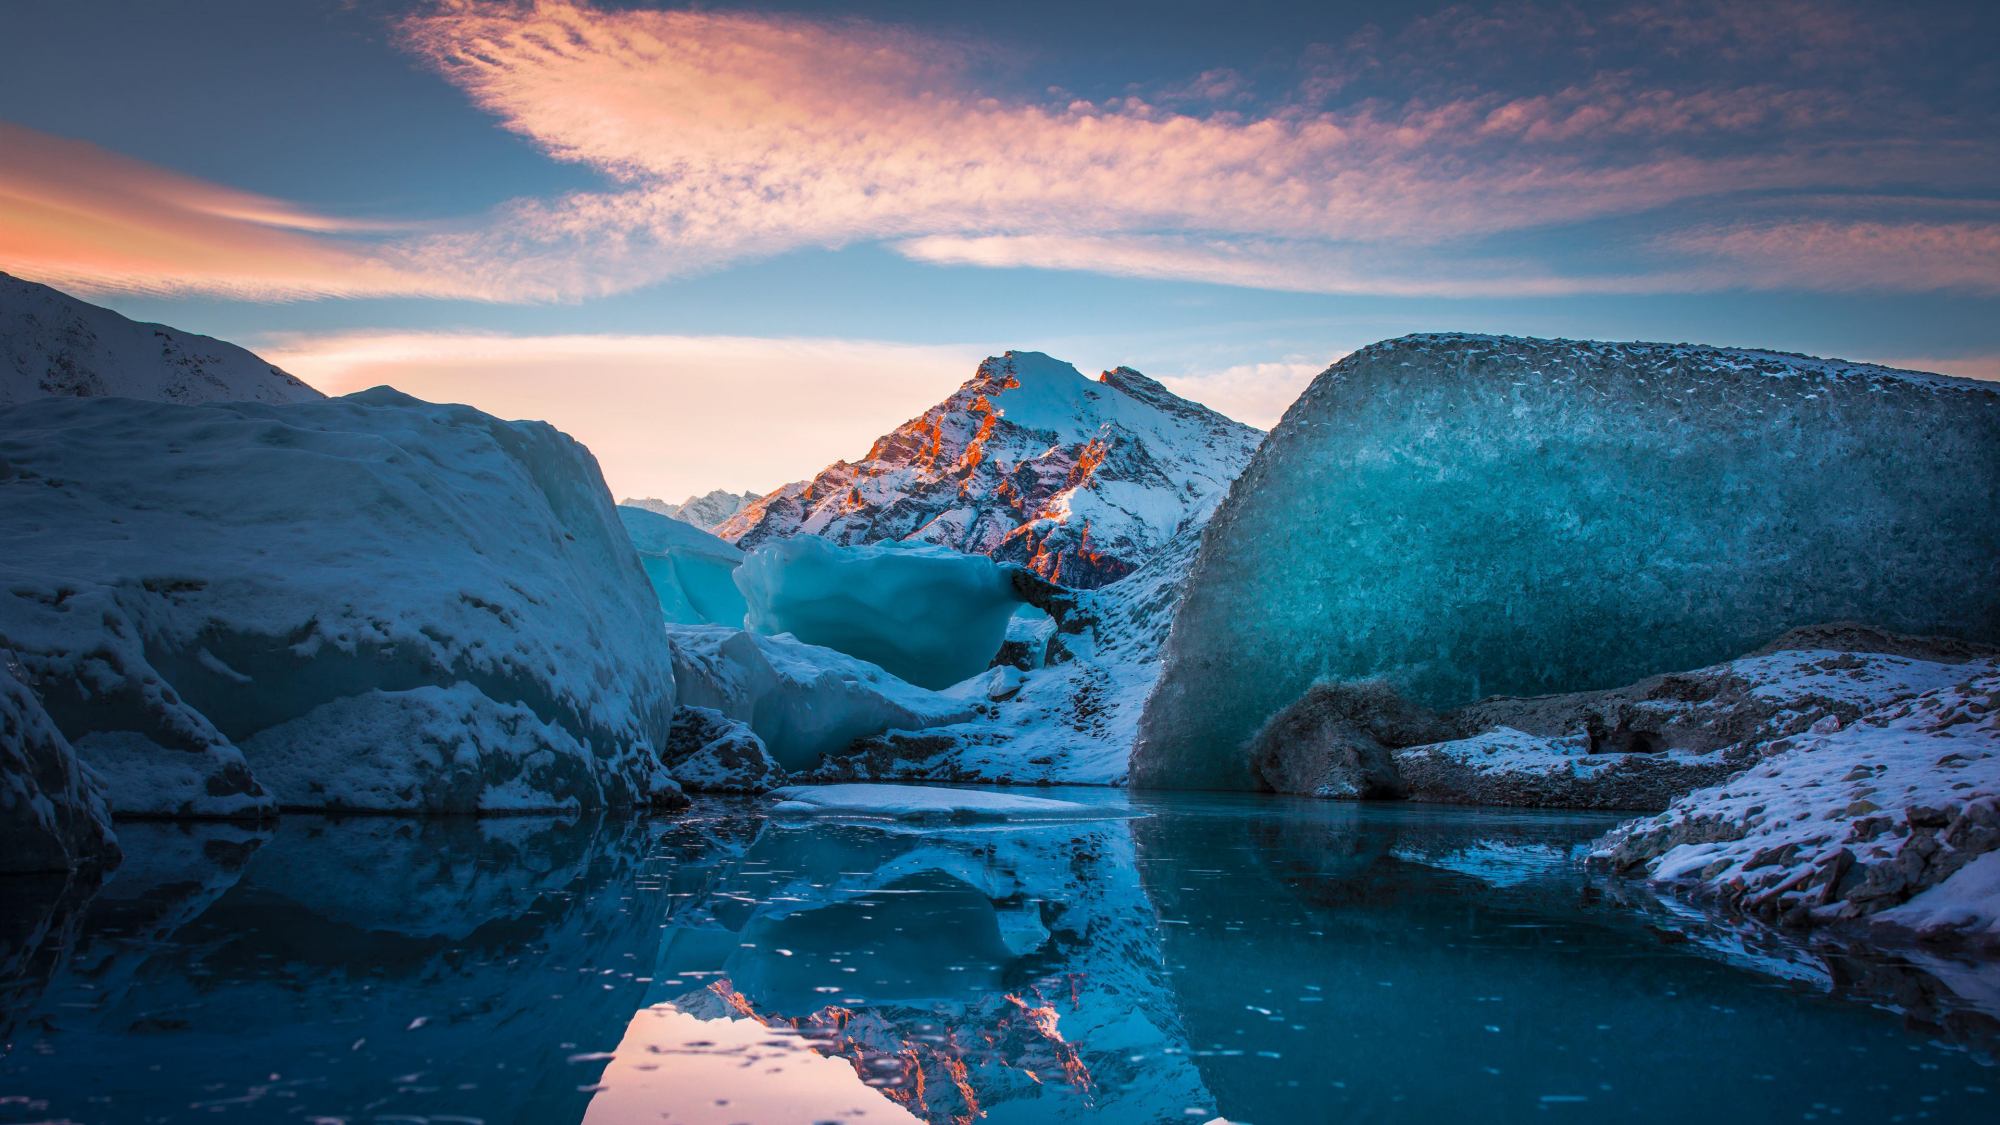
[(1471, 516), (927, 614)]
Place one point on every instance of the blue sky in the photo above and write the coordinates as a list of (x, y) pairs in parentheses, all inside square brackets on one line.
[(724, 245)]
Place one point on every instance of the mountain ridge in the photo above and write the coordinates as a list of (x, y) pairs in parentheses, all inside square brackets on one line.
[(1029, 461)]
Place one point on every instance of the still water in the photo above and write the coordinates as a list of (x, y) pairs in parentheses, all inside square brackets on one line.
[(1256, 960)]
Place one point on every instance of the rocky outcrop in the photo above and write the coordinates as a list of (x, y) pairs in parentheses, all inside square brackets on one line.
[(1637, 747), (709, 752), (1470, 516), (1336, 739), (1504, 766), (1893, 819)]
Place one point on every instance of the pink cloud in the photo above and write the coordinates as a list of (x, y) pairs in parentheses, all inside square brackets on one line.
[(78, 216), (729, 136), (732, 135), (1295, 266), (1853, 255)]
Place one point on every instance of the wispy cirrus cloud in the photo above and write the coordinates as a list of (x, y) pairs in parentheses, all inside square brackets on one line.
[(1391, 164), (78, 216), (1844, 254)]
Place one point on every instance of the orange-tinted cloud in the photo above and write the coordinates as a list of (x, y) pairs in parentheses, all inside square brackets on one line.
[(731, 135), (74, 215), (723, 137), (1847, 254)]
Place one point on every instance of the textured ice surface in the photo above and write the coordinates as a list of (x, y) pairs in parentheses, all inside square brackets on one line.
[(927, 614), (802, 700), (692, 572), (1470, 516), (181, 580), (930, 802), (52, 344)]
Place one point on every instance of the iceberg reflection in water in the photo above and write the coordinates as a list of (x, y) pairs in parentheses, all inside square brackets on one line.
[(1256, 959)]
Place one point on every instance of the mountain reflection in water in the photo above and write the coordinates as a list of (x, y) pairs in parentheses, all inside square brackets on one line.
[(1256, 959)]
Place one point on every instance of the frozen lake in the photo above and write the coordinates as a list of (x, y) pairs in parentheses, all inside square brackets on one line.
[(1261, 960)]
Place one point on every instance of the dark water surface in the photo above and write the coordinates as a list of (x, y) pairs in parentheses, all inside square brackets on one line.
[(1258, 960)]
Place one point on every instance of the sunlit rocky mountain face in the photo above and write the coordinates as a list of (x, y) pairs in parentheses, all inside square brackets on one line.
[(1080, 480)]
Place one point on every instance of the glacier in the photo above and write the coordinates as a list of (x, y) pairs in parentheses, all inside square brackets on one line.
[(693, 573), (230, 608), (1464, 516), (926, 614), (53, 345)]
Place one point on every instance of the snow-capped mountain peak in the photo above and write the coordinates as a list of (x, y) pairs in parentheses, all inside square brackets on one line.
[(1029, 461), (704, 511)]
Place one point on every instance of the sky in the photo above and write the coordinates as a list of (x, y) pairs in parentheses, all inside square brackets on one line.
[(724, 245)]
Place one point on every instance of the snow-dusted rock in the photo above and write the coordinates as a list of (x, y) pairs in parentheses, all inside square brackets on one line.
[(1028, 462), (927, 614), (52, 344), (709, 752), (1504, 766), (1468, 516), (1895, 815), (52, 817), (1640, 747), (802, 700), (693, 573), (183, 584), (931, 803)]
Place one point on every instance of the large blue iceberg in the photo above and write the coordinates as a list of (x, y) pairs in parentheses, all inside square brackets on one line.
[(1466, 516), (927, 614)]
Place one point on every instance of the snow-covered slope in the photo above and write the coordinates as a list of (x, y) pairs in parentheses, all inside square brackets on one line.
[(706, 511), (1069, 719), (1466, 516), (366, 602), (1894, 817), (1028, 462), (53, 344)]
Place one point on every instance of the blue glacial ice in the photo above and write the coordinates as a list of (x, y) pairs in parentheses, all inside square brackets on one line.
[(929, 615), (692, 572), (1467, 516)]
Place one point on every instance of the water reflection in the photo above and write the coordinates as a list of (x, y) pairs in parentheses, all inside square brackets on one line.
[(1260, 960)]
